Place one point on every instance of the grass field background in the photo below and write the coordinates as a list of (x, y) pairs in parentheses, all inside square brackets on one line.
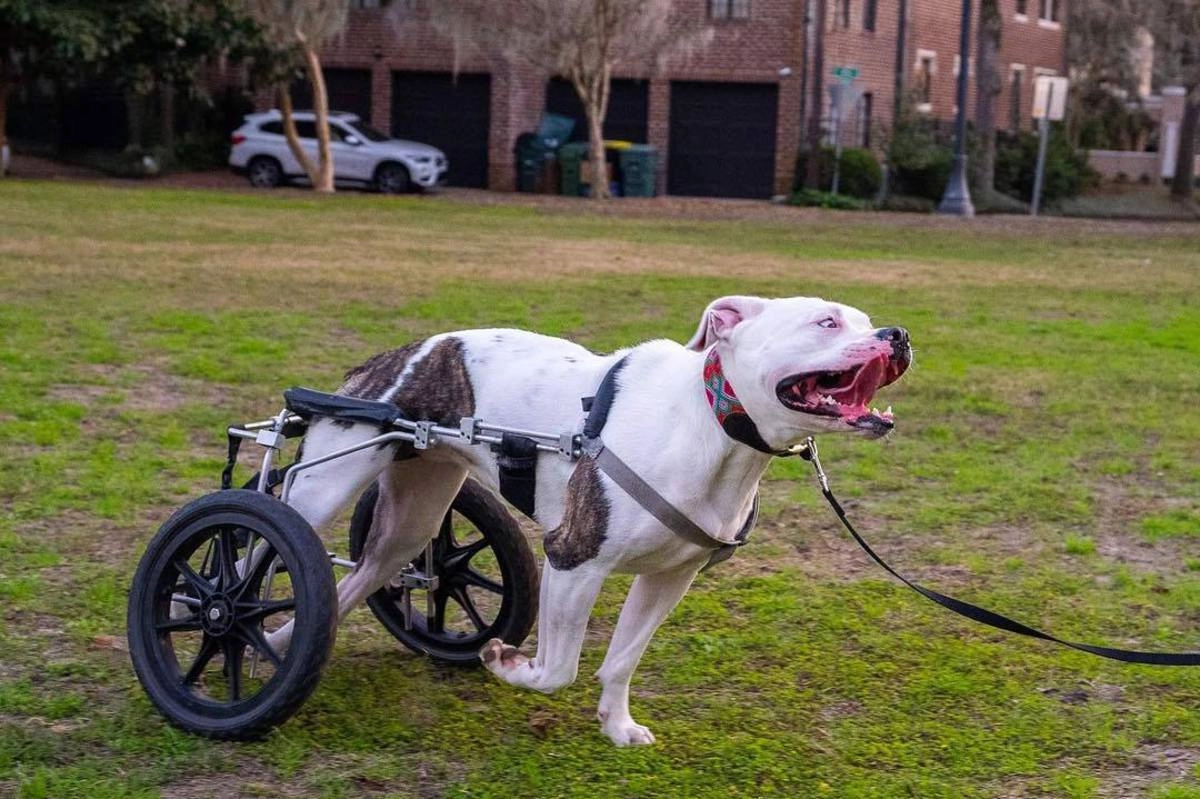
[(1047, 464)]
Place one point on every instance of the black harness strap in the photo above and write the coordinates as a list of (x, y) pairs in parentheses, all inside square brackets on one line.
[(639, 490), (982, 615)]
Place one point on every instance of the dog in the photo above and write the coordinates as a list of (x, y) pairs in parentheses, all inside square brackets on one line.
[(698, 422)]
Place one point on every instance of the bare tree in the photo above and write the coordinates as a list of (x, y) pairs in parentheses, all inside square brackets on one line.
[(300, 28), (581, 40)]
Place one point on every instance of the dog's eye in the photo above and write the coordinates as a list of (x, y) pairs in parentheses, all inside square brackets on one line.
[(828, 322)]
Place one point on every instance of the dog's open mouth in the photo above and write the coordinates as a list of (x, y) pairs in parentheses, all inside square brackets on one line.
[(844, 395)]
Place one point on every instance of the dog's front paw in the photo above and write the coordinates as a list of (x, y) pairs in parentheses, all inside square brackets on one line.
[(628, 733), (497, 655)]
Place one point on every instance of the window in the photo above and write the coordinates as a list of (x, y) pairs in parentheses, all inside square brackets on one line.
[(306, 129), (843, 13), (1049, 11), (1023, 9), (368, 3), (272, 127), (926, 67), (1015, 84), (863, 134), (729, 9), (869, 14)]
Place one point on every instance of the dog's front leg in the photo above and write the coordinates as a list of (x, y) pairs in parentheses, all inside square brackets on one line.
[(567, 598), (650, 600)]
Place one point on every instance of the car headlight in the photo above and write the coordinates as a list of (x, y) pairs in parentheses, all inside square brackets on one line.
[(424, 159)]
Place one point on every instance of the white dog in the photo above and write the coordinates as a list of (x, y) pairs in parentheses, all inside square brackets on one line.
[(698, 423)]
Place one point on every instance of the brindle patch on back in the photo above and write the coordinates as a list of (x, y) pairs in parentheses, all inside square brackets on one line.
[(585, 520), (374, 378), (438, 388)]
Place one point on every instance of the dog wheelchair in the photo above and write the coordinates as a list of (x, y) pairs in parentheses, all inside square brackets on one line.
[(227, 570)]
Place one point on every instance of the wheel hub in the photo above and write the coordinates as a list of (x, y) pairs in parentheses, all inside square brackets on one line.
[(216, 615)]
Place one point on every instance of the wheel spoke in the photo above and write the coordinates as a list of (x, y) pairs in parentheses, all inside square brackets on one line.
[(208, 648), (201, 586), (233, 647), (188, 624), (184, 599), (464, 601), (258, 611), (459, 556), (252, 634), (227, 558), (472, 577), (446, 534)]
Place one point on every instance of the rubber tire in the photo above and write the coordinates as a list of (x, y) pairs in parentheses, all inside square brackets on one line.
[(315, 614), (401, 182), (518, 567), (276, 176)]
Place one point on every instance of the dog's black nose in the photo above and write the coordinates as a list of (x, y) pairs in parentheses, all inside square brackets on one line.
[(898, 336)]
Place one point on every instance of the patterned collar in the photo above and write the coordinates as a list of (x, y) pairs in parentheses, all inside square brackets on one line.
[(731, 414)]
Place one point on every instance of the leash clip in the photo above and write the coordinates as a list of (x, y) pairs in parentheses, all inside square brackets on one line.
[(808, 451)]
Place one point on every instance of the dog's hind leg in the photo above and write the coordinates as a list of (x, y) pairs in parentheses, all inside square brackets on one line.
[(567, 598), (413, 499), (319, 493), (650, 600)]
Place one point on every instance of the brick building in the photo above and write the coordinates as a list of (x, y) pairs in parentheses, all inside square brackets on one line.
[(727, 121)]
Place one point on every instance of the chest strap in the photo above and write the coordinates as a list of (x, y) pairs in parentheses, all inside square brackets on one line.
[(642, 492)]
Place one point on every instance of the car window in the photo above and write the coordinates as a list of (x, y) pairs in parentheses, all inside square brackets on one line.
[(336, 132), (272, 127), (306, 129), (369, 132)]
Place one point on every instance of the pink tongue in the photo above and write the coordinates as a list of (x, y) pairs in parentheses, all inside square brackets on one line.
[(865, 382)]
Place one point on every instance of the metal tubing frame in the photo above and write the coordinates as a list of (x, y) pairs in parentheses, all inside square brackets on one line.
[(268, 432)]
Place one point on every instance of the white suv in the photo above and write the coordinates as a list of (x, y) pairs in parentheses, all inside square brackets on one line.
[(361, 154)]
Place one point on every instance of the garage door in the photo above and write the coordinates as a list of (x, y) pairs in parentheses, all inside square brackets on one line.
[(628, 103), (722, 140), (453, 113), (348, 90)]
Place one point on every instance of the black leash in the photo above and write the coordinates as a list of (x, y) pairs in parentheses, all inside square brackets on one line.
[(976, 613)]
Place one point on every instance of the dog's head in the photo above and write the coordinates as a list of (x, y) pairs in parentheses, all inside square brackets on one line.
[(802, 365)]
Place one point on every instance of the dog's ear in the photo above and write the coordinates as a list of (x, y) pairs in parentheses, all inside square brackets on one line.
[(721, 317)]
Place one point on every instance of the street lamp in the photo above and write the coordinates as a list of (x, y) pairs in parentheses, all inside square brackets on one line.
[(957, 199)]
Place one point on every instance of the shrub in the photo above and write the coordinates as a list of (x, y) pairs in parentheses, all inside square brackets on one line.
[(860, 174), (823, 199), (1067, 171), (920, 161)]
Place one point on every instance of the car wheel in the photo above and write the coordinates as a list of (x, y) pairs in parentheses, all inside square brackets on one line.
[(264, 172), (392, 179)]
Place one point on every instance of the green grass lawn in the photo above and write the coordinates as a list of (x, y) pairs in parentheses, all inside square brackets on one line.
[(1047, 464)]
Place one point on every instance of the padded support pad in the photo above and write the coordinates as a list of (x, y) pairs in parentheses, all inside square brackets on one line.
[(306, 403)]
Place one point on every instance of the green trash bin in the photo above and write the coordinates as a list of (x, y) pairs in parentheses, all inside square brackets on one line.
[(570, 161), (638, 165)]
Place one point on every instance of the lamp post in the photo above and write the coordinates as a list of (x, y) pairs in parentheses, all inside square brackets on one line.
[(957, 199)]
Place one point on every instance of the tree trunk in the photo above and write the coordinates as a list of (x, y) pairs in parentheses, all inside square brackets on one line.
[(293, 140), (593, 93), (987, 82), (812, 170), (324, 181), (1184, 181), (166, 110)]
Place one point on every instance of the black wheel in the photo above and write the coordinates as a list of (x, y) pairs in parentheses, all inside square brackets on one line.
[(201, 607), (392, 178), (488, 580), (264, 172)]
